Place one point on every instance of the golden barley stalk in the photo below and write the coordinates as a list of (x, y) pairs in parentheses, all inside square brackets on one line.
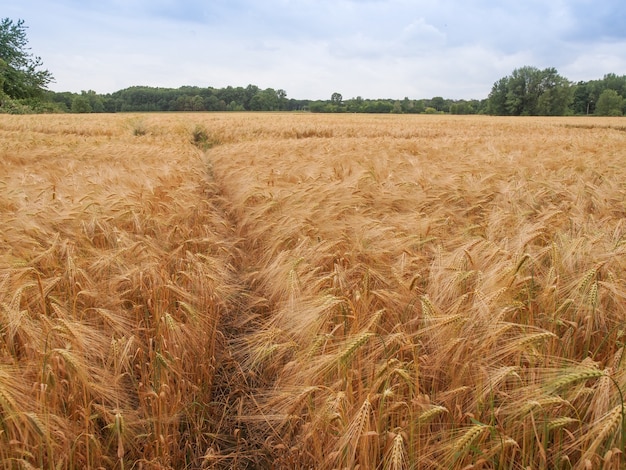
[(557, 423), (573, 376), (347, 355), (586, 280), (396, 458), (462, 445), (428, 308), (430, 413), (604, 431)]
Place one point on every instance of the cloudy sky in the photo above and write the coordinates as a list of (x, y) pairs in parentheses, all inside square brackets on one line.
[(312, 48)]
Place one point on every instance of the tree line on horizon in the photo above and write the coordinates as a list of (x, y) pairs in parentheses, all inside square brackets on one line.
[(250, 98), (528, 91)]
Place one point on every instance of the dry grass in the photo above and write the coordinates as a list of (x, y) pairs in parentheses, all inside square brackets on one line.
[(296, 291)]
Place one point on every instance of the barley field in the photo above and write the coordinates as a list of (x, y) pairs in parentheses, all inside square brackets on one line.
[(286, 291)]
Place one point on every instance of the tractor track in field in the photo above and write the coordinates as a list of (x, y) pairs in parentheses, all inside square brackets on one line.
[(244, 444)]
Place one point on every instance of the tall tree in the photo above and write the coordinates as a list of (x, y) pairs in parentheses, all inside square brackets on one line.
[(282, 98), (583, 99), (524, 90), (612, 81), (438, 103), (266, 100), (21, 73), (610, 103), (336, 98), (529, 91), (555, 94), (497, 98)]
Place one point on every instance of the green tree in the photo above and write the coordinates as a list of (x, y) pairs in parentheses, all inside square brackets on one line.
[(523, 91), (610, 103), (249, 93), (266, 100), (234, 106), (418, 106), (197, 103), (497, 98), (583, 101), (21, 73), (80, 104), (336, 98), (319, 107), (96, 103), (378, 106), (355, 105), (406, 105), (529, 91), (461, 107), (555, 94), (615, 82), (282, 97), (438, 103)]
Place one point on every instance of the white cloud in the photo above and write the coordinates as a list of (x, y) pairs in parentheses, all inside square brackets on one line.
[(597, 60)]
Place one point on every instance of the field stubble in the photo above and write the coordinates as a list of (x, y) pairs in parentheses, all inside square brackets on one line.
[(300, 291)]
